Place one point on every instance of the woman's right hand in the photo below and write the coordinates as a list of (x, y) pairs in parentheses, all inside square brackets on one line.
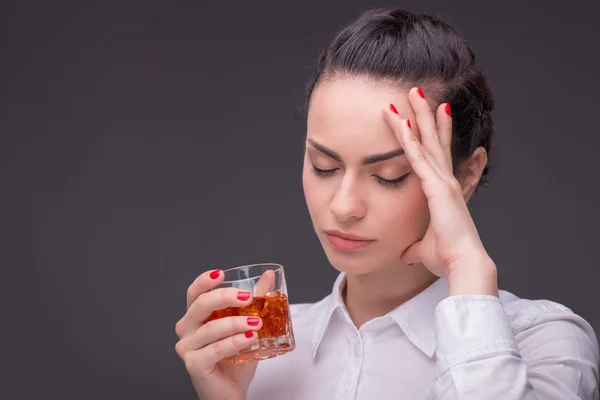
[(203, 345)]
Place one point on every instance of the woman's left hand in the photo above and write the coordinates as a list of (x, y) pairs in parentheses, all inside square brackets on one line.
[(451, 246)]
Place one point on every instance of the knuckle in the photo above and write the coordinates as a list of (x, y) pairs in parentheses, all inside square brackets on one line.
[(190, 364), (237, 324), (224, 296), (235, 341), (179, 349), (208, 330), (218, 349), (179, 329), (190, 291)]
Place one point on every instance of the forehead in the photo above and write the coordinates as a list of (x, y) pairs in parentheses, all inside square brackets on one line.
[(346, 114)]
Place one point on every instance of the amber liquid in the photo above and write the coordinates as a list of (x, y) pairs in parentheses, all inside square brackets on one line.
[(275, 337)]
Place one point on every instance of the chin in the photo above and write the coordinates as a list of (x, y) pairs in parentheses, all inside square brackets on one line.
[(353, 262)]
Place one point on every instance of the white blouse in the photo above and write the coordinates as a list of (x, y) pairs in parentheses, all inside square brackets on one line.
[(435, 347)]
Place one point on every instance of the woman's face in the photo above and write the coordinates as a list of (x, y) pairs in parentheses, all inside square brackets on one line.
[(360, 194)]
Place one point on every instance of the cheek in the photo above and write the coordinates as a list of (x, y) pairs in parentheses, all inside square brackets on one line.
[(406, 216)]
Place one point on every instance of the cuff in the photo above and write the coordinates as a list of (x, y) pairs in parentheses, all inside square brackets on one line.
[(471, 326)]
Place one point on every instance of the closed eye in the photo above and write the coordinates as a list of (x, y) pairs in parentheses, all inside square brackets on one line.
[(392, 183), (322, 172), (389, 183)]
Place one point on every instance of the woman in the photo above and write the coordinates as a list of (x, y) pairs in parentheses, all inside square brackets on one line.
[(398, 137)]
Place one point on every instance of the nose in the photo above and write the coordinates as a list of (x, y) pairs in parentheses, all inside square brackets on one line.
[(348, 204)]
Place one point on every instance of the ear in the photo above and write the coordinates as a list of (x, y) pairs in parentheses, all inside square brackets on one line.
[(470, 171)]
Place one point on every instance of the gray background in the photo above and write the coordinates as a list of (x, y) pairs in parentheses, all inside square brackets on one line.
[(143, 143)]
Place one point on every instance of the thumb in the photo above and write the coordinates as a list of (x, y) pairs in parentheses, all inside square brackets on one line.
[(265, 283), (412, 254)]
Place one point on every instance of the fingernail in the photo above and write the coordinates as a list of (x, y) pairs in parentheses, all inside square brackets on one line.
[(253, 321), (447, 108), (420, 92), (249, 334), (393, 109), (243, 296), (215, 274), (408, 122)]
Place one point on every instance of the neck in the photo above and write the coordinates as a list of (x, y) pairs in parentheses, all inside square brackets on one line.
[(375, 294)]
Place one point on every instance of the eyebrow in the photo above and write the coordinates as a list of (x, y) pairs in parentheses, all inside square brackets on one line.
[(372, 159)]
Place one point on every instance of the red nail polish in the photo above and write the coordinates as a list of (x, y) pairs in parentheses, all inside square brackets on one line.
[(249, 334), (215, 274), (408, 123), (393, 109), (447, 108), (253, 321), (243, 296), (420, 92)]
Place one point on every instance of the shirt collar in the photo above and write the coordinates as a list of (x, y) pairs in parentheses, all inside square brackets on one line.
[(332, 302), (415, 317)]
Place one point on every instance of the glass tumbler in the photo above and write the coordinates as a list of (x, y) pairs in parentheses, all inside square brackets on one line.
[(270, 302)]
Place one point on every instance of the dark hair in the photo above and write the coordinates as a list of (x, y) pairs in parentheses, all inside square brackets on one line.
[(408, 50)]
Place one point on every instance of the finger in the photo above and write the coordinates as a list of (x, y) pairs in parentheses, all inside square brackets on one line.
[(426, 125), (216, 330), (201, 362), (208, 302), (420, 160), (203, 283), (418, 252), (411, 254), (444, 127), (265, 284)]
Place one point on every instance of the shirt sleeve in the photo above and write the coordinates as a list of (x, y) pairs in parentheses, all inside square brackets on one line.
[(538, 350)]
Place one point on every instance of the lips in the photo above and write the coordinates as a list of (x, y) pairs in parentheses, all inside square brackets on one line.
[(347, 241), (345, 235)]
